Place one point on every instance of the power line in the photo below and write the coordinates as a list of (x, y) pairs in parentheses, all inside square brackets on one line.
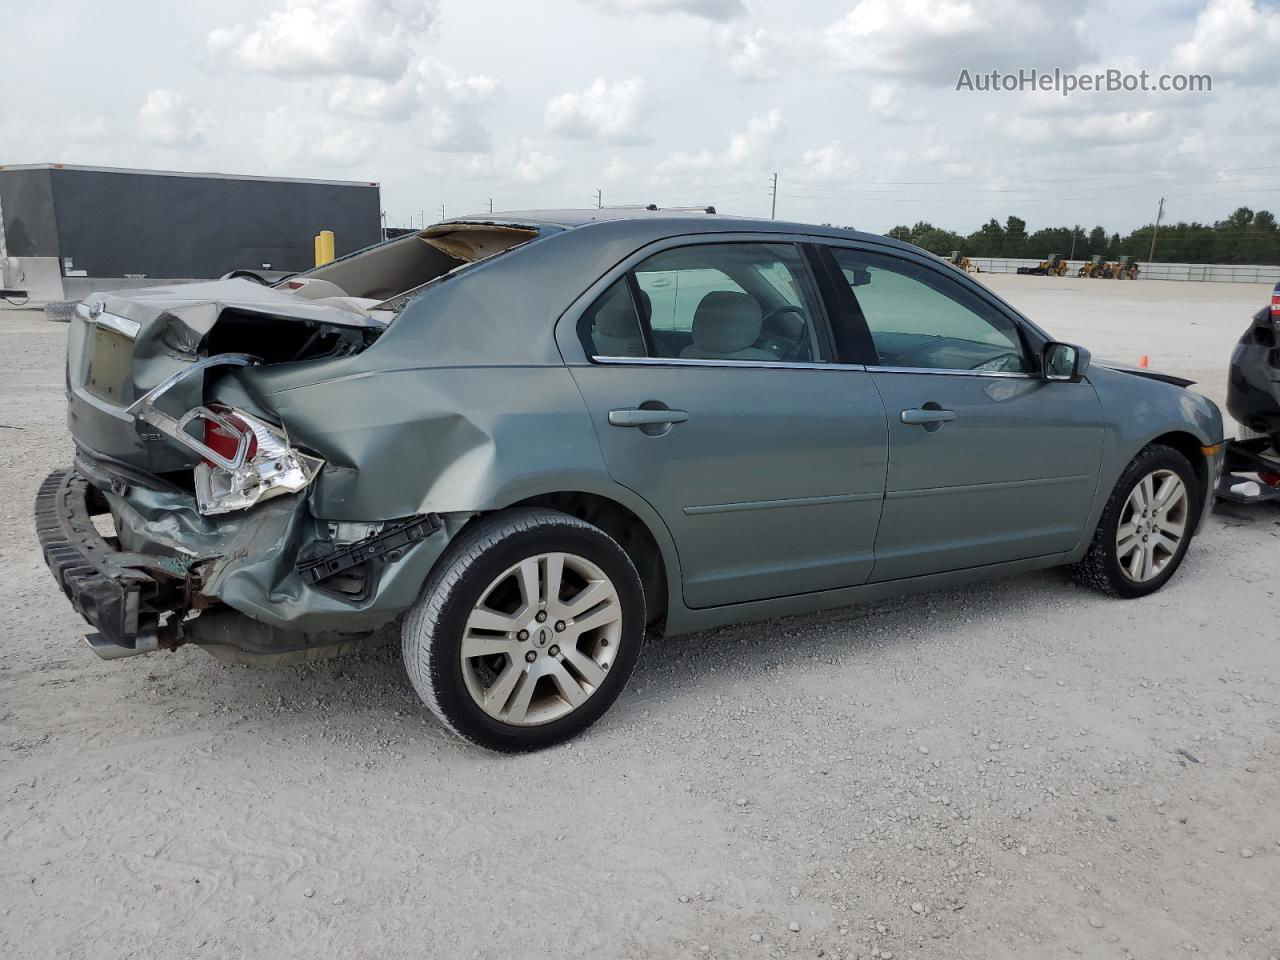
[(1100, 176), (949, 198)]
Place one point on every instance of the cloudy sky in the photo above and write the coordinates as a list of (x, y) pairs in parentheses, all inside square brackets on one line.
[(678, 102)]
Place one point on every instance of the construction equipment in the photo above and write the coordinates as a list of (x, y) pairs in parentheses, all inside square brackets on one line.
[(963, 262), (1053, 266), (1095, 268), (1125, 269)]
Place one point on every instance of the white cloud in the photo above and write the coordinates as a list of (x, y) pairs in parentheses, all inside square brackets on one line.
[(370, 98), (536, 167), (455, 131), (316, 38), (832, 161), (752, 147), (1235, 38), (887, 103), (932, 40), (604, 112), (457, 87), (425, 82), (752, 54), (295, 140), (615, 169), (515, 163), (170, 119), (706, 9), (1121, 127)]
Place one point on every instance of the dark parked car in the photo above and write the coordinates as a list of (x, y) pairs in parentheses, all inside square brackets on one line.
[(540, 435), (1253, 383)]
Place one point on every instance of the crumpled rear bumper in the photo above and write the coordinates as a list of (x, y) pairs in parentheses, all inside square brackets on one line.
[(138, 588), (124, 596)]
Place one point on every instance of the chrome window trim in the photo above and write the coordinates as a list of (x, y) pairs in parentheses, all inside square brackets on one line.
[(679, 362), (786, 365), (1002, 374)]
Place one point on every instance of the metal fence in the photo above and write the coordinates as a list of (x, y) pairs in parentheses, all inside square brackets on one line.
[(1213, 272)]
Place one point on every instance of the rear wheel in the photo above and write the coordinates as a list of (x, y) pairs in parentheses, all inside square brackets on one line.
[(1146, 527), (526, 631)]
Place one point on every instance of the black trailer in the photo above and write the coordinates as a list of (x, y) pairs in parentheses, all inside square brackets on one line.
[(104, 222)]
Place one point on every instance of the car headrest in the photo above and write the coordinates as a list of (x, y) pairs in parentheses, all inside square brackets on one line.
[(789, 325), (726, 322), (646, 305)]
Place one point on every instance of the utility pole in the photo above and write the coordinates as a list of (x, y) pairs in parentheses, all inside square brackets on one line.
[(422, 218), (441, 211), (491, 204), (599, 199), (384, 224), (1159, 217), (1074, 231), (773, 208)]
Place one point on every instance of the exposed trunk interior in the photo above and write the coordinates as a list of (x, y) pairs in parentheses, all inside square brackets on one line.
[(386, 273)]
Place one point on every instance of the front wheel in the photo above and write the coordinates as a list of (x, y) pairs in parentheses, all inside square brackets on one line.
[(1146, 527), (526, 631)]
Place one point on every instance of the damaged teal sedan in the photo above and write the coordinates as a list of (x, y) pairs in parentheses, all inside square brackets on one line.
[(538, 437)]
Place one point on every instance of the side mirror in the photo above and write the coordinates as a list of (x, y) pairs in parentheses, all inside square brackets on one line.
[(1064, 361)]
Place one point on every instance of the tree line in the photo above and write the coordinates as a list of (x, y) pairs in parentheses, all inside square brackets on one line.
[(1244, 237)]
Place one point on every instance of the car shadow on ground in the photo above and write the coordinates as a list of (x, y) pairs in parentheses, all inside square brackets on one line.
[(371, 686)]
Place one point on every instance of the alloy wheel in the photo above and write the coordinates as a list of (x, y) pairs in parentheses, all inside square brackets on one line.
[(1152, 525), (540, 640)]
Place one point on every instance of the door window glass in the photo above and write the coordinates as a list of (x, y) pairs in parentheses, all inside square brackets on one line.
[(919, 317), (610, 327), (731, 301)]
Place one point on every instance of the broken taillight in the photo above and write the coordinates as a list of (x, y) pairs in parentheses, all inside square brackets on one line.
[(1275, 304), (267, 467), (223, 441)]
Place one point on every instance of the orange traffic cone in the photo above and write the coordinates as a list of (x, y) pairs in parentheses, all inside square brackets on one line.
[(1143, 360)]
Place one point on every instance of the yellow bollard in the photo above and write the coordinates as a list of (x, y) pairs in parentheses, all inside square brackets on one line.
[(324, 247)]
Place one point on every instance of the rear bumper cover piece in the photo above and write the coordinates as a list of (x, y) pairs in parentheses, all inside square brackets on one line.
[(138, 587), (123, 595)]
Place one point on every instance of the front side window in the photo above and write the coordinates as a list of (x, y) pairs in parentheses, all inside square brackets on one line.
[(921, 318), (748, 302)]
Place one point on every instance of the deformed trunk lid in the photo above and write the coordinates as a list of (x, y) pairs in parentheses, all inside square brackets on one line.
[(108, 369)]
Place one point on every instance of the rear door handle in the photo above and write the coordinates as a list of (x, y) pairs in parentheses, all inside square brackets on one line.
[(644, 418), (918, 417)]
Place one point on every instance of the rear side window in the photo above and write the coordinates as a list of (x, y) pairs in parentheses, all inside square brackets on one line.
[(920, 318), (745, 302), (610, 327)]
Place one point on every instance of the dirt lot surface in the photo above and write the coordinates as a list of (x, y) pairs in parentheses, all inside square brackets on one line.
[(1021, 769)]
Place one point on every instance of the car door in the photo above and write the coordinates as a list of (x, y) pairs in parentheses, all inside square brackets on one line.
[(707, 368), (987, 461)]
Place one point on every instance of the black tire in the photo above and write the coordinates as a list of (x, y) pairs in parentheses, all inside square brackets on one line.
[(433, 628), (1100, 567)]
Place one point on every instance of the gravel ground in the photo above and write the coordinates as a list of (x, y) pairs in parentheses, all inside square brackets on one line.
[(1020, 769)]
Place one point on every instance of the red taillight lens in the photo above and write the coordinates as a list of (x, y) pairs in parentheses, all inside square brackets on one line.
[(1275, 304), (223, 441)]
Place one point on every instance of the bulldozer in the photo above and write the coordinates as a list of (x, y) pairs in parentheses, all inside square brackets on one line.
[(963, 262), (1052, 266)]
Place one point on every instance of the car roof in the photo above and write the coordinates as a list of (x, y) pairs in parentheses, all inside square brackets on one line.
[(680, 222)]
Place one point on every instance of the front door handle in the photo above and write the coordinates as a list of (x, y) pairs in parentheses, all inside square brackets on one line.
[(645, 418), (925, 417)]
